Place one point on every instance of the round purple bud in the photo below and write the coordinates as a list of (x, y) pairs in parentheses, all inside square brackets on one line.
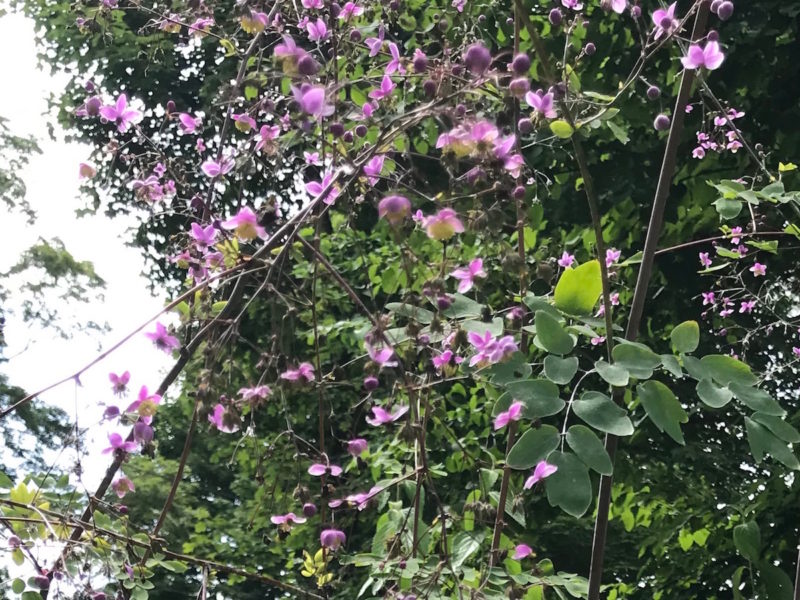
[(715, 6), (122, 509), (725, 10), (477, 59), (661, 122), (713, 36), (481, 18), (653, 92), (41, 582), (14, 542), (590, 49), (636, 11), (348, 137), (309, 510), (355, 35), (89, 86), (519, 86), (99, 596), (361, 130), (429, 87), (518, 193), (93, 105), (461, 110), (394, 5), (510, 21), (475, 174), (420, 63), (525, 126), (337, 129), (443, 302), (521, 64), (170, 107), (335, 9), (332, 538), (555, 17), (307, 65), (370, 383)]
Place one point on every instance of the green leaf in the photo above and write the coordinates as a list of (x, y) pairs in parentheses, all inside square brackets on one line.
[(686, 337), (700, 536), (589, 449), (778, 584), (663, 408), (757, 399), (463, 307), (551, 334), (727, 208), (619, 133), (464, 545), (671, 364), (17, 557), (599, 411), (539, 396), (421, 315), (174, 566), (694, 367), (533, 446), (762, 442), (578, 289), (777, 426), (685, 539), (560, 370), (561, 129), (713, 395), (612, 374), (726, 369), (5, 480), (18, 586), (747, 539), (570, 487), (637, 359), (514, 369)]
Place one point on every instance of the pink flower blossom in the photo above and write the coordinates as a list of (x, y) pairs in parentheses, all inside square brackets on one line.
[(758, 270), (612, 256), (735, 233), (373, 168), (665, 20), (122, 485), (162, 339), (380, 416), (597, 340), (120, 114), (542, 103), (245, 224), (489, 349), (188, 123), (747, 306), (467, 275), (332, 539), (119, 383), (356, 447), (303, 371), (395, 64), (698, 152), (708, 298), (572, 4), (223, 419), (566, 260), (317, 4), (394, 209), (213, 168), (514, 413), (350, 10), (542, 471), (522, 551), (312, 101), (117, 442), (381, 356), (375, 43), (704, 260), (266, 135), (317, 31), (443, 225), (203, 236), (360, 500), (260, 392), (311, 158), (316, 188), (619, 6), (86, 171), (385, 90), (318, 470), (145, 404), (709, 57), (288, 519)]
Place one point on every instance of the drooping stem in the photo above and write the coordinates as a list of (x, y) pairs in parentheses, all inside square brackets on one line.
[(501, 502)]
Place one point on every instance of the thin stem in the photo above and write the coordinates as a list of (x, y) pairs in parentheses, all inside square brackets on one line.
[(501, 502)]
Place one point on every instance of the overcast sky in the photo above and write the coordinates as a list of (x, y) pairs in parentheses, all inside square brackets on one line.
[(39, 357)]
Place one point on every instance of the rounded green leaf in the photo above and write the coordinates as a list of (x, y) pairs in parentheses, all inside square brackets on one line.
[(663, 408), (613, 374), (578, 289), (762, 442), (18, 586), (589, 449), (533, 446), (635, 358), (671, 364), (756, 399), (539, 396), (778, 583), (553, 337), (686, 337), (599, 411), (560, 370), (561, 129), (570, 487), (514, 369), (726, 369), (712, 394), (778, 427), (747, 539)]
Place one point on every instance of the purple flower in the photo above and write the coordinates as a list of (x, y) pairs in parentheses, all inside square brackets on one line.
[(444, 359), (619, 6), (203, 236), (356, 447), (709, 57), (350, 10), (572, 4), (385, 90), (612, 256), (189, 124), (747, 307), (373, 168), (443, 225), (245, 224), (145, 404), (266, 135), (316, 188), (122, 485), (142, 431), (214, 169), (318, 469), (289, 54), (162, 339), (244, 122), (332, 538), (86, 171), (394, 208), (381, 356), (260, 392), (566, 260), (360, 500), (704, 260), (522, 551), (708, 298), (120, 114), (665, 20), (288, 519), (312, 101), (381, 416), (394, 64), (542, 471), (317, 31), (224, 420), (542, 103), (514, 413), (119, 383), (312, 4), (758, 270), (467, 275), (375, 43), (303, 371), (735, 233), (117, 442), (311, 158)]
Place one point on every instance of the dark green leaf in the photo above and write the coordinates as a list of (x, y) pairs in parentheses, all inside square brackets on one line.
[(613, 374), (637, 359), (756, 399), (539, 396), (599, 411), (712, 394), (747, 539), (762, 442), (551, 334), (686, 337), (779, 585), (589, 449), (726, 369), (560, 370), (570, 487), (663, 408), (533, 446), (777, 426)]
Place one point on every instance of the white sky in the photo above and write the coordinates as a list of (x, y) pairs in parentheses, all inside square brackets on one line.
[(39, 356)]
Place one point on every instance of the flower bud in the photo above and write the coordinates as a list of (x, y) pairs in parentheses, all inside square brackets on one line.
[(518, 193), (93, 105), (89, 86), (521, 64), (555, 17), (348, 137), (14, 542), (41, 582), (337, 129), (170, 107), (590, 49), (715, 6), (420, 62), (370, 383), (661, 122), (653, 92), (477, 59), (481, 18), (636, 11), (335, 9), (713, 36), (355, 35), (461, 110), (309, 510), (394, 5), (525, 125), (429, 87), (307, 65), (122, 509), (361, 130), (519, 87), (443, 302)]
